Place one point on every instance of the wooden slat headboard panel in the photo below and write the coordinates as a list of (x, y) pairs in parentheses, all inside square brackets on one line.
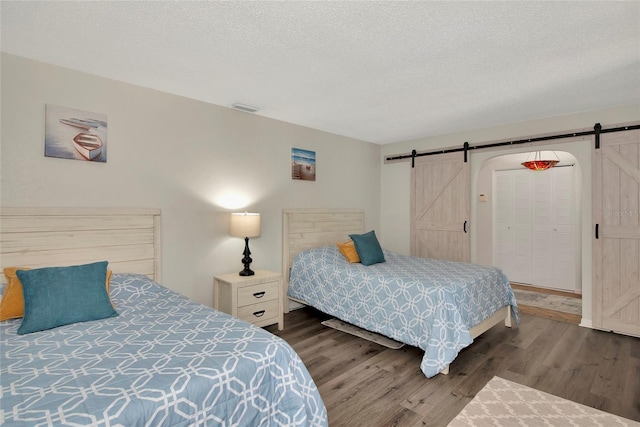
[(43, 237), (310, 228)]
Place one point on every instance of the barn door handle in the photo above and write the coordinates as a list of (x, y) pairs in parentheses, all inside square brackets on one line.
[(464, 227), (597, 228)]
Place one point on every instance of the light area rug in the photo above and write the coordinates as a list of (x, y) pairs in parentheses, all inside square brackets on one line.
[(362, 333), (505, 403), (548, 301)]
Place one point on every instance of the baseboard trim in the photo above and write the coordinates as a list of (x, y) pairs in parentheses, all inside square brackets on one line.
[(550, 291), (586, 323)]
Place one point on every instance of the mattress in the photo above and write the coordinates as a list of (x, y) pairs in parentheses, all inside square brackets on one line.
[(431, 304), (163, 361)]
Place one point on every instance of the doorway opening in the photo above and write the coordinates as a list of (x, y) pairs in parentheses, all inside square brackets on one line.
[(533, 221)]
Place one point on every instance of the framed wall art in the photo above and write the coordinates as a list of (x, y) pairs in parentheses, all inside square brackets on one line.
[(303, 164), (75, 134)]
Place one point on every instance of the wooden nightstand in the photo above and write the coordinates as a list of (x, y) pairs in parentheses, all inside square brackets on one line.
[(256, 299)]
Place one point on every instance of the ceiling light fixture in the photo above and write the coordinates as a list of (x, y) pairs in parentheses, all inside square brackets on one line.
[(538, 163), (245, 107)]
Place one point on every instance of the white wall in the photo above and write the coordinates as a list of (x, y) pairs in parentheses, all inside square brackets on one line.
[(195, 161), (395, 184)]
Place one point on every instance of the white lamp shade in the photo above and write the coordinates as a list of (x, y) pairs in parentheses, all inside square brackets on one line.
[(245, 224)]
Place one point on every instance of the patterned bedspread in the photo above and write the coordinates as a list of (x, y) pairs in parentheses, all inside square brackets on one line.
[(427, 303), (164, 361)]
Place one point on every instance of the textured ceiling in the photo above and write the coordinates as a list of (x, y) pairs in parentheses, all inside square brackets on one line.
[(377, 71)]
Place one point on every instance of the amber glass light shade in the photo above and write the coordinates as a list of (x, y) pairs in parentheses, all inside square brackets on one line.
[(538, 163)]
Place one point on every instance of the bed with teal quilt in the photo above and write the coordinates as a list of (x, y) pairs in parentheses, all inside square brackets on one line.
[(431, 304), (163, 360)]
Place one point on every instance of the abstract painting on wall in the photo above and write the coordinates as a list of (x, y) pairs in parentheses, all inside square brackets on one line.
[(75, 134), (303, 164)]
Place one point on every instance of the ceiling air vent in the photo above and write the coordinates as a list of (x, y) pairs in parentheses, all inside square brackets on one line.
[(245, 107)]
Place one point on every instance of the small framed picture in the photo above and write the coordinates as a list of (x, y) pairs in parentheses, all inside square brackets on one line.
[(303, 164), (75, 134)]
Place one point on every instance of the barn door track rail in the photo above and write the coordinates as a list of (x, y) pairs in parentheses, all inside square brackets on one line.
[(597, 131)]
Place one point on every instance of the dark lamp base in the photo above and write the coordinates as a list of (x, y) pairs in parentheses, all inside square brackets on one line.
[(247, 259)]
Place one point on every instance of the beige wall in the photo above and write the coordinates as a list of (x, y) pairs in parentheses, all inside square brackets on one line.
[(395, 178), (195, 161)]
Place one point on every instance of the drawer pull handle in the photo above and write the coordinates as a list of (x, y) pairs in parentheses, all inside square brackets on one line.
[(259, 294), (259, 313)]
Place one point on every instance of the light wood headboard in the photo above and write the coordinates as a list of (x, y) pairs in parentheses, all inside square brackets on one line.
[(310, 228), (44, 237)]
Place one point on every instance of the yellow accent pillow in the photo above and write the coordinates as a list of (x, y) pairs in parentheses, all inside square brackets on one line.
[(108, 285), (348, 250), (12, 303)]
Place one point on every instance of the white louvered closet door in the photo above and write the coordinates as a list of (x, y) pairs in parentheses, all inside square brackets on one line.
[(535, 227), (554, 248), (512, 224)]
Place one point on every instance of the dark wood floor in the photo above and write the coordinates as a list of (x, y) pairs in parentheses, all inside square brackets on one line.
[(365, 384)]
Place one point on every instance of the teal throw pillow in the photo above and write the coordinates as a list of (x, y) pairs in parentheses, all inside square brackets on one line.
[(57, 296), (368, 248)]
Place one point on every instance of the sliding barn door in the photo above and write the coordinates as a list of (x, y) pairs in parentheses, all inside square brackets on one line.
[(616, 249), (440, 189)]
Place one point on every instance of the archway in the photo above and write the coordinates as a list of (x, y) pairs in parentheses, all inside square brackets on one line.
[(529, 222)]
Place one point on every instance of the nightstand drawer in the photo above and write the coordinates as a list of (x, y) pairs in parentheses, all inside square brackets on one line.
[(258, 293), (261, 312)]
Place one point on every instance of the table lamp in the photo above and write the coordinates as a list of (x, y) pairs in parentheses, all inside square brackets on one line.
[(245, 224)]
